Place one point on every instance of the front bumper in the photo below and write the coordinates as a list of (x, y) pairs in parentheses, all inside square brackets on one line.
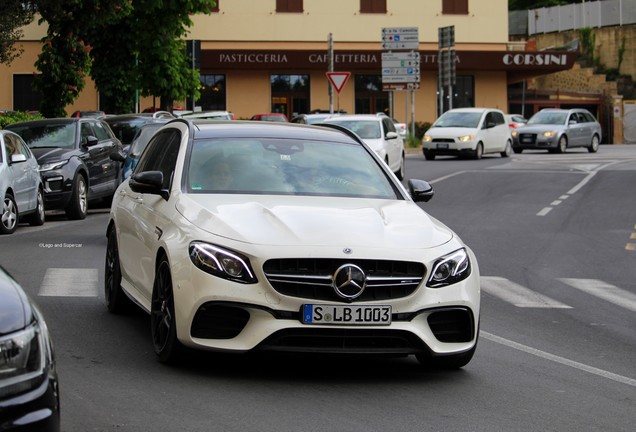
[(449, 147), (535, 142), (216, 314), (58, 189)]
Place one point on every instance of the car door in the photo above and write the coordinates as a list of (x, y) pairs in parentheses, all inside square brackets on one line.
[(575, 130), (141, 217), (19, 173), (32, 174), (490, 133), (394, 144), (97, 145)]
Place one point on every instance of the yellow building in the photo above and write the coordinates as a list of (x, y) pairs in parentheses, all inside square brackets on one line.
[(274, 55)]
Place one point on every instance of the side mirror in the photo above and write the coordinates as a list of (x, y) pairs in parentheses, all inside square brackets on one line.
[(391, 135), (90, 141), (150, 182), (18, 157), (117, 157), (420, 190)]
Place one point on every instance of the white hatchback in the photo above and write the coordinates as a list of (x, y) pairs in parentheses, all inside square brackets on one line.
[(468, 132)]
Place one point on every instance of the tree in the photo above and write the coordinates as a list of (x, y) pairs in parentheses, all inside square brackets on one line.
[(65, 60), (13, 15), (145, 52)]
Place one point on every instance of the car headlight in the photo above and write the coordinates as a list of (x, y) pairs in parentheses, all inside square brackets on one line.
[(466, 138), (427, 138), (53, 165), (221, 262), (450, 269), (23, 358), (514, 133), (549, 134)]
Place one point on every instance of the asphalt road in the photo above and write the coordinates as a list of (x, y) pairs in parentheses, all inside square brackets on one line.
[(555, 236)]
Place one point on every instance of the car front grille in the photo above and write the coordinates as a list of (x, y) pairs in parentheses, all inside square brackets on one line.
[(313, 278), (443, 140), (527, 138)]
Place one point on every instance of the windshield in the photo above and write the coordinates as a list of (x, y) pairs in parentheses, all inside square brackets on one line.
[(125, 130), (459, 119), (366, 129), (549, 118), (61, 135), (285, 166)]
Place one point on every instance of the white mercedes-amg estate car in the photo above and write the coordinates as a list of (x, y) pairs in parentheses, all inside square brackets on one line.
[(242, 236)]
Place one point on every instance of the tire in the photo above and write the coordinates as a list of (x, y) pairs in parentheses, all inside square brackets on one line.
[(116, 300), (162, 319), (37, 218), (400, 172), (593, 148), (478, 152), (455, 361), (429, 155), (9, 217), (78, 207), (562, 145), (507, 151)]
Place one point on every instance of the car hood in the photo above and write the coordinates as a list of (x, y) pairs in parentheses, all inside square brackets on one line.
[(52, 154), (15, 312), (315, 221), (450, 131), (538, 128)]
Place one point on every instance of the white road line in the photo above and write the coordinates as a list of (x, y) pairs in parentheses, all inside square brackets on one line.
[(446, 177), (605, 291), (544, 211), (70, 282), (560, 360), (518, 295)]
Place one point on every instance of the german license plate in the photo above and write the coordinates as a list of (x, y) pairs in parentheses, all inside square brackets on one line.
[(318, 314), (442, 145), (526, 139)]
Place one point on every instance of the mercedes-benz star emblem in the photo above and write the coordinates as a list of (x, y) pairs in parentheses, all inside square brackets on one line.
[(349, 281)]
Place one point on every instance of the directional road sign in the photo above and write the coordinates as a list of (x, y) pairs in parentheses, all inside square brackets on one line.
[(400, 38)]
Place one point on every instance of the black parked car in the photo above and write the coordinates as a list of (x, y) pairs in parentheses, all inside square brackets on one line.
[(126, 126), (29, 392), (74, 158)]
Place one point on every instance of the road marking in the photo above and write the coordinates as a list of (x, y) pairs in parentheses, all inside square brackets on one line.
[(545, 211), (518, 295), (446, 177), (605, 291), (70, 282), (561, 360)]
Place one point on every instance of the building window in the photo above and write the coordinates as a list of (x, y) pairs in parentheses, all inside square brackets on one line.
[(373, 6), (290, 94), (455, 7), (24, 97), (289, 6), (212, 93), (463, 93), (370, 98)]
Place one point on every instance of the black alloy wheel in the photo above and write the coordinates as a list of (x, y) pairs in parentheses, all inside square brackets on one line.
[(116, 299), (162, 317)]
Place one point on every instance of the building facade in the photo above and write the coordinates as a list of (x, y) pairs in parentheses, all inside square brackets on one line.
[(274, 55)]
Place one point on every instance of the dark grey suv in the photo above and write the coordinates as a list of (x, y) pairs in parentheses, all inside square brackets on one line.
[(74, 159)]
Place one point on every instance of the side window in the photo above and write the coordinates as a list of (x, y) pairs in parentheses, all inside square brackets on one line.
[(86, 130), (487, 120), (388, 126), (161, 155), (21, 147), (573, 118), (9, 146), (100, 132), (589, 117), (498, 118)]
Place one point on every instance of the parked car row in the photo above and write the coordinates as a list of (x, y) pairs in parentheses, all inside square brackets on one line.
[(473, 132)]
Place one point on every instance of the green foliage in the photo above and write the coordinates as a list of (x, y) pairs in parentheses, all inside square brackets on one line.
[(17, 117), (13, 15), (416, 140), (621, 53), (588, 40)]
